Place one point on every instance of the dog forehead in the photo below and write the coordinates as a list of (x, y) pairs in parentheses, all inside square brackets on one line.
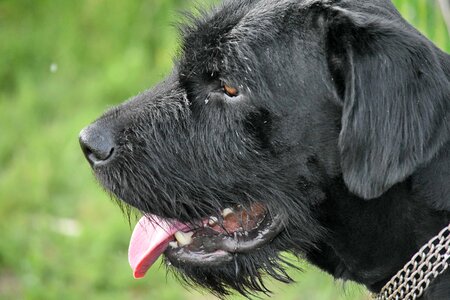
[(225, 38), (260, 17), (256, 16)]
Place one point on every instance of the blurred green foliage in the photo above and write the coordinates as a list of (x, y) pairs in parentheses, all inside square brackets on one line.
[(62, 64)]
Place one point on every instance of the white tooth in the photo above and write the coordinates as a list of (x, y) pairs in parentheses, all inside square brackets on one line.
[(226, 212), (173, 244), (184, 238), (213, 221)]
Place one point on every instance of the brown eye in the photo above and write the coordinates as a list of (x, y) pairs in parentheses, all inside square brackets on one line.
[(230, 91)]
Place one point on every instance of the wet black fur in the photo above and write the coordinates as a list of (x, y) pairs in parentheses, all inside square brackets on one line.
[(342, 125)]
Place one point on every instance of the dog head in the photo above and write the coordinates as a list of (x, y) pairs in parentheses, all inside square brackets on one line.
[(268, 103)]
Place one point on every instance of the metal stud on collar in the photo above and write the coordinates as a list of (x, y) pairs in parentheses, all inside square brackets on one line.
[(431, 261)]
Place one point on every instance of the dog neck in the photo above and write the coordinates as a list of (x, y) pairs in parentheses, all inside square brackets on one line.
[(424, 267), (370, 240)]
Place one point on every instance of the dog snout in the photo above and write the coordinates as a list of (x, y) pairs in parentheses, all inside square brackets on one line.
[(97, 144)]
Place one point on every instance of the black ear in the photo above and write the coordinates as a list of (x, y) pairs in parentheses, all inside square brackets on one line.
[(395, 95)]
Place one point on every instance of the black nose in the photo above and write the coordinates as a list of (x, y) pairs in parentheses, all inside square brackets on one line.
[(97, 144)]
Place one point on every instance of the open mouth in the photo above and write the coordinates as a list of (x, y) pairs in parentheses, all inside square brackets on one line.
[(209, 242)]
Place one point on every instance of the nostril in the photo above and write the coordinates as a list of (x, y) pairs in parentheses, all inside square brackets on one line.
[(97, 144), (99, 156)]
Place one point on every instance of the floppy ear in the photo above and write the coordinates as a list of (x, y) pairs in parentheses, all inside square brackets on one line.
[(395, 98)]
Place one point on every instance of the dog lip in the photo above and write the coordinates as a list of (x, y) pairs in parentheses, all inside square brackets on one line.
[(254, 239), (216, 249), (182, 255)]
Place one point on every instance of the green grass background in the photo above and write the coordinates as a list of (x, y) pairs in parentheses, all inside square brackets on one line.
[(62, 63)]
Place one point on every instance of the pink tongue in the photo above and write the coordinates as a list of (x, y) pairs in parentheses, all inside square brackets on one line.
[(149, 240)]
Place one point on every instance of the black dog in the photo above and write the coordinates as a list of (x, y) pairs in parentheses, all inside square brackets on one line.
[(320, 128)]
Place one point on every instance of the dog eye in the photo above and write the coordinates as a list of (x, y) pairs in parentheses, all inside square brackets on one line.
[(230, 91)]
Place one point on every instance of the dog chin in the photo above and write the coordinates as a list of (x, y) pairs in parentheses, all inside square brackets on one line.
[(241, 242)]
